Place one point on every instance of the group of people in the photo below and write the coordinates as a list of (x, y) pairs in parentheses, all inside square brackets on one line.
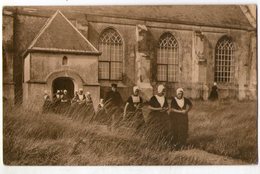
[(80, 106), (164, 121), (168, 121)]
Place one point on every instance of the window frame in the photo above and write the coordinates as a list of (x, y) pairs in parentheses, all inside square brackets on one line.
[(110, 61), (224, 68), (175, 51)]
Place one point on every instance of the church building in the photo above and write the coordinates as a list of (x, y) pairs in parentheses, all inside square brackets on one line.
[(50, 48)]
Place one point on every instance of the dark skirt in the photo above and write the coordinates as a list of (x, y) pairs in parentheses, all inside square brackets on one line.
[(72, 110), (179, 128), (89, 112), (157, 128), (64, 107), (56, 106), (47, 107), (213, 95), (135, 120)]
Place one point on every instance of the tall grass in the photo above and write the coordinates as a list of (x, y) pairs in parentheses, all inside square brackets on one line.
[(227, 128), (33, 138)]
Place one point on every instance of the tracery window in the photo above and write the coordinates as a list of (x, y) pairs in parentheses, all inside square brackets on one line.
[(167, 58), (111, 59), (224, 60)]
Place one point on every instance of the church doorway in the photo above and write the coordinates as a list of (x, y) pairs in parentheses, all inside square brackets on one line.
[(62, 83)]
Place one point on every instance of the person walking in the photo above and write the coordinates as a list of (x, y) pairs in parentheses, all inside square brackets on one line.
[(157, 123), (57, 102), (180, 107), (113, 106), (214, 92), (133, 115), (81, 104), (90, 111), (65, 102), (46, 108)]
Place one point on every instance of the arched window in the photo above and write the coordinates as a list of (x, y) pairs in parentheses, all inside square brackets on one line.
[(64, 60), (224, 60), (110, 61), (167, 58)]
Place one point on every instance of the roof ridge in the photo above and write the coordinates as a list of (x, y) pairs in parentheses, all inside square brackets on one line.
[(38, 43), (45, 26), (77, 31)]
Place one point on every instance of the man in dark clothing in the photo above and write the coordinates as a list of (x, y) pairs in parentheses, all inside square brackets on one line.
[(113, 105), (114, 96)]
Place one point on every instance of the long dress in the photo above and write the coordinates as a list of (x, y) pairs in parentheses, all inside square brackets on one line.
[(214, 93), (102, 116), (157, 126), (113, 105), (90, 111), (134, 115), (56, 103), (81, 109), (73, 107), (179, 122), (65, 104), (46, 108)]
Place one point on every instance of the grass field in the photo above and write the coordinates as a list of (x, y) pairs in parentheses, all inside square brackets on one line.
[(226, 128)]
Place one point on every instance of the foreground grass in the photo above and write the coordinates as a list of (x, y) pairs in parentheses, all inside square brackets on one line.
[(227, 128), (32, 138)]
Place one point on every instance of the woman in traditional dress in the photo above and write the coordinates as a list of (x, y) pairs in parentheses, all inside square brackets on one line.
[(158, 125), (56, 102), (81, 104), (90, 111), (73, 105), (101, 104), (180, 106), (214, 92), (65, 102), (133, 115), (101, 115), (47, 102)]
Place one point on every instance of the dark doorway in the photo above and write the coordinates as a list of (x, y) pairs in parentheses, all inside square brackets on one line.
[(62, 83)]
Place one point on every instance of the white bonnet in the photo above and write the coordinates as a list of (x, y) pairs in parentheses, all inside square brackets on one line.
[(179, 90), (160, 88)]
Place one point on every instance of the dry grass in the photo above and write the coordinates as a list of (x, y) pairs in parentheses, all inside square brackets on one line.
[(227, 128), (32, 138)]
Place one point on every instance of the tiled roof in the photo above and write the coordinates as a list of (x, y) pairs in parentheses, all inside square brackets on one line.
[(59, 35), (228, 16)]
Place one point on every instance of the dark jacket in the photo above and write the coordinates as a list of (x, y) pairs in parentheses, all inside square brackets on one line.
[(114, 97)]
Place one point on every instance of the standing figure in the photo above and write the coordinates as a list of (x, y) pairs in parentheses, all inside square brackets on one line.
[(157, 124), (73, 105), (90, 111), (114, 103), (133, 115), (214, 92), (65, 102), (81, 104), (101, 115), (180, 106), (47, 102), (101, 104), (57, 102)]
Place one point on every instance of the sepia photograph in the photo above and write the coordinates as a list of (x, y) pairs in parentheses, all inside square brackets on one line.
[(130, 85)]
